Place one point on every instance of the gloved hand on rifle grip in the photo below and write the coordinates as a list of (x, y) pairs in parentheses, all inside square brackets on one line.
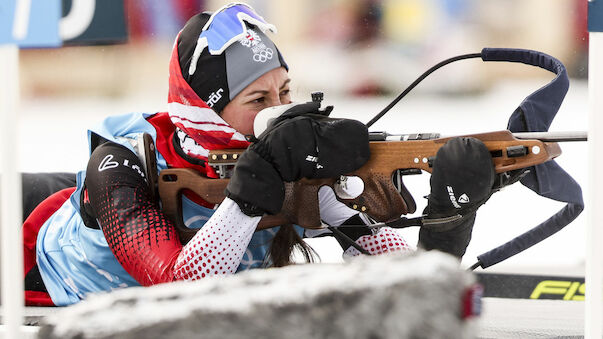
[(461, 181), (295, 146)]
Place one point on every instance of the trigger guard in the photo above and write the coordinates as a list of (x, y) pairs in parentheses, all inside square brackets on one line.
[(407, 197)]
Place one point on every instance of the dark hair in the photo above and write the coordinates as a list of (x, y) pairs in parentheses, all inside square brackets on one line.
[(284, 242)]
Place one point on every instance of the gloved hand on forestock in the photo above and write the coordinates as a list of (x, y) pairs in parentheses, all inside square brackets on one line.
[(301, 143), (461, 181)]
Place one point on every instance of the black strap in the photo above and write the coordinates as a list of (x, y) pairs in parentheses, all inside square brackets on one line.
[(344, 239)]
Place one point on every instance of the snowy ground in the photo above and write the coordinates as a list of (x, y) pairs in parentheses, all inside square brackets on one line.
[(53, 138)]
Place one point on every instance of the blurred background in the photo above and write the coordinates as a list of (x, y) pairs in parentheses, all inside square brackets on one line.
[(361, 53), (343, 47)]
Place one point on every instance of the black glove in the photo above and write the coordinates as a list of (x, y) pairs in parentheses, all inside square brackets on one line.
[(295, 146), (461, 181)]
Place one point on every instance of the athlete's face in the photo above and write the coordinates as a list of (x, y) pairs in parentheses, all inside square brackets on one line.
[(271, 89)]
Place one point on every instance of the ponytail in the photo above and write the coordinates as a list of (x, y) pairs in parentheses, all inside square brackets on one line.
[(285, 241)]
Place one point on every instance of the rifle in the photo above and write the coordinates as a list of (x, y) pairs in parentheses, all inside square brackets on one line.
[(383, 197)]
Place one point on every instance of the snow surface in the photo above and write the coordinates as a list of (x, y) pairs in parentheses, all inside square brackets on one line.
[(531, 319), (53, 138)]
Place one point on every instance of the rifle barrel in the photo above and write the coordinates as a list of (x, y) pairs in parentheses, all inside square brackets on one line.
[(564, 136), (553, 136)]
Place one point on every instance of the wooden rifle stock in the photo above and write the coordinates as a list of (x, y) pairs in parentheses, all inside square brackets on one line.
[(380, 198)]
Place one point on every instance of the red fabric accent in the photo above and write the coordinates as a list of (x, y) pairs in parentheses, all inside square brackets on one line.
[(179, 90), (140, 236), (35, 298), (31, 227), (471, 303), (220, 140), (165, 134)]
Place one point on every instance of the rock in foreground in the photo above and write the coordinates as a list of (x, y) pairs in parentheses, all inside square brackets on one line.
[(415, 296)]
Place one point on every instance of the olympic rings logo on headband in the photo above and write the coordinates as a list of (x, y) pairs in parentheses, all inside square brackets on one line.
[(261, 52), (263, 55)]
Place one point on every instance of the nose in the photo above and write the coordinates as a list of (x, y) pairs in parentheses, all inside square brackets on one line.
[(275, 99)]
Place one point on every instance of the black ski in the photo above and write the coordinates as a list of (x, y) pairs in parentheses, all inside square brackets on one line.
[(523, 286)]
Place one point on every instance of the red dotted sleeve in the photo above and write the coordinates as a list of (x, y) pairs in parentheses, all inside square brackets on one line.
[(385, 240), (219, 246)]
